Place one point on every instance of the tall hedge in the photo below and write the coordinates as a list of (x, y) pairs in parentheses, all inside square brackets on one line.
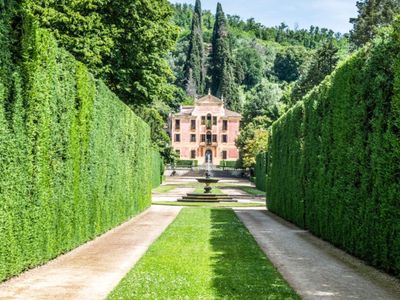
[(157, 169), (261, 171), (75, 161), (334, 159)]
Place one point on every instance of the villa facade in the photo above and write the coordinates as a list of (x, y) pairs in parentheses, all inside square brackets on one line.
[(205, 130)]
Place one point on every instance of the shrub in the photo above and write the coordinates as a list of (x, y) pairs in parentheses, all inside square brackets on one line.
[(187, 163), (334, 159), (74, 159), (232, 164), (261, 171), (157, 169)]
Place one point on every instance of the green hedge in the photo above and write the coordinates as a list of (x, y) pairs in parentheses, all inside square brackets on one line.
[(187, 163), (233, 164), (74, 159), (334, 159), (157, 169), (261, 171)]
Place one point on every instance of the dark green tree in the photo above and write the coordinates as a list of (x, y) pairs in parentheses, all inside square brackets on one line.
[(123, 42), (263, 100), (324, 62), (372, 14), (250, 66), (289, 63), (194, 68), (221, 63)]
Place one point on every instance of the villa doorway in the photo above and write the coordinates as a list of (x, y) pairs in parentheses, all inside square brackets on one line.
[(208, 156)]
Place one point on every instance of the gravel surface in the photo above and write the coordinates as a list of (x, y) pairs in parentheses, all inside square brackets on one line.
[(314, 268), (94, 269)]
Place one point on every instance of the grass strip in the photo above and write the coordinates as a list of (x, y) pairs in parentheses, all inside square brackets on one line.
[(212, 205), (164, 188), (251, 190), (204, 254)]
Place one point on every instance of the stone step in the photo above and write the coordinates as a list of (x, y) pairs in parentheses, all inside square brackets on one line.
[(206, 198)]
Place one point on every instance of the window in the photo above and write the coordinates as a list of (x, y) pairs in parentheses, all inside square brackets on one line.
[(214, 138), (203, 120), (214, 121), (177, 138), (209, 138), (225, 125), (224, 154), (209, 120), (193, 124), (193, 154), (203, 138), (224, 138), (178, 152), (177, 124), (193, 138)]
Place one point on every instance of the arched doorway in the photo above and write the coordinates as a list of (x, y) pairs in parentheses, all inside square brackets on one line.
[(208, 157)]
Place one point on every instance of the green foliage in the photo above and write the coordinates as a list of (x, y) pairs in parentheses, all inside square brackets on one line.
[(125, 43), (187, 163), (290, 62), (221, 68), (263, 101), (252, 140), (230, 164), (372, 14), (204, 254), (323, 63), (75, 161), (157, 169), (334, 159), (195, 75), (261, 171)]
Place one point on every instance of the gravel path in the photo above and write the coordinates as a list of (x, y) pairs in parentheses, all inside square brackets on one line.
[(314, 268), (94, 269)]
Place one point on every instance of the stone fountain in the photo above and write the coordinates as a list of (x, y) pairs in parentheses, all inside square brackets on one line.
[(207, 196)]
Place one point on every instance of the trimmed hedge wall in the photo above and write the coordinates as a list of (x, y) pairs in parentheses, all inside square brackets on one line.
[(187, 163), (334, 159), (261, 171), (233, 164), (157, 169), (75, 161)]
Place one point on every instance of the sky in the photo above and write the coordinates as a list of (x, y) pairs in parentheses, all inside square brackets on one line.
[(332, 14)]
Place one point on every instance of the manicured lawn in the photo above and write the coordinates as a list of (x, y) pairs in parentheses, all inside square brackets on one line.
[(204, 254), (213, 205), (214, 191), (164, 188), (251, 190)]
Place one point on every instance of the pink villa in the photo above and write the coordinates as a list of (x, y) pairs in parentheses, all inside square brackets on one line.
[(206, 129)]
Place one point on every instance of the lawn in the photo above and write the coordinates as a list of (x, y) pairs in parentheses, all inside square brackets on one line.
[(251, 190), (164, 188), (213, 205), (204, 254)]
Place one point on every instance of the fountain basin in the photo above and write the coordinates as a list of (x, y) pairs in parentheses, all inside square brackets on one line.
[(207, 180)]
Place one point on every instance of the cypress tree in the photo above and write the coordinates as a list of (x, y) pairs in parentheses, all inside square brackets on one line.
[(221, 69), (194, 68)]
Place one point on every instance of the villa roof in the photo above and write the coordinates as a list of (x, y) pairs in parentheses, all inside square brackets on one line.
[(209, 99), (185, 111), (188, 111), (230, 113)]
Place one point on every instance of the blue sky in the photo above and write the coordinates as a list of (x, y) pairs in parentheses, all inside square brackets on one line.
[(332, 14)]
